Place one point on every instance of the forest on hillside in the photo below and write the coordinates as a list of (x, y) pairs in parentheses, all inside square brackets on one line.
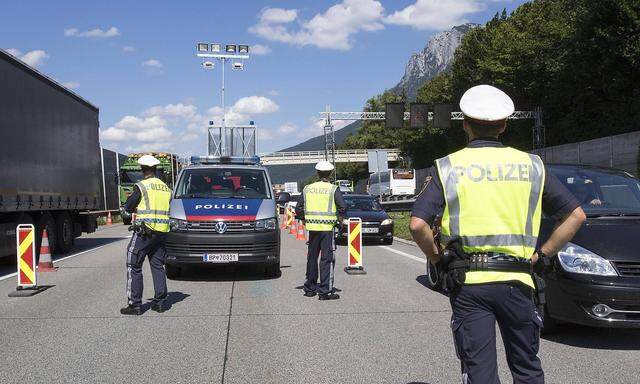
[(577, 59)]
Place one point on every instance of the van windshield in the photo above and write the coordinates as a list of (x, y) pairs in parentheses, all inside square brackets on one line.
[(223, 183), (600, 191)]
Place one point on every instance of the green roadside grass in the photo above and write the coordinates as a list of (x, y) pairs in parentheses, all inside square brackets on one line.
[(401, 224)]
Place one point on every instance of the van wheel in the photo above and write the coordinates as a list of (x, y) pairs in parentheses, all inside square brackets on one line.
[(273, 270), (173, 272), (64, 232)]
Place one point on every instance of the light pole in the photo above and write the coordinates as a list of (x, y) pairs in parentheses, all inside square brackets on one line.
[(232, 52)]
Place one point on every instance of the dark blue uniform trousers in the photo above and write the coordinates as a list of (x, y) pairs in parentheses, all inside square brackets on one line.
[(320, 242), (476, 308), (140, 247)]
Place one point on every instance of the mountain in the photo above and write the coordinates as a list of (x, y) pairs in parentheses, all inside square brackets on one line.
[(435, 58)]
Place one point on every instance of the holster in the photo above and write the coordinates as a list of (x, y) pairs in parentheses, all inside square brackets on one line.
[(538, 296)]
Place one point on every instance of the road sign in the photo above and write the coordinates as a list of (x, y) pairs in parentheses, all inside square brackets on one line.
[(418, 115), (378, 161), (442, 116), (26, 250), (394, 115), (354, 257)]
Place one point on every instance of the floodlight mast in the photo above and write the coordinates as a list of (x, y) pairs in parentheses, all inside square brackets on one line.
[(213, 51)]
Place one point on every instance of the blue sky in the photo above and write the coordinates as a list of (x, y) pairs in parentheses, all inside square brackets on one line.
[(136, 60)]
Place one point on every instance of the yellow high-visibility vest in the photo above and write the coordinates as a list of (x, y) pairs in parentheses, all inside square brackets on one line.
[(493, 202), (153, 209), (320, 213)]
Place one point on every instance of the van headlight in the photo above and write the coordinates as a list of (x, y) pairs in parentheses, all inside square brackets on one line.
[(387, 222), (573, 258), (266, 224), (177, 225)]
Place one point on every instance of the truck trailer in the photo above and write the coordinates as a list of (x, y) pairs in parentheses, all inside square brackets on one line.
[(50, 159)]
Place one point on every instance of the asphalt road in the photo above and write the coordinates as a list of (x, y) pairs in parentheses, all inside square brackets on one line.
[(234, 326)]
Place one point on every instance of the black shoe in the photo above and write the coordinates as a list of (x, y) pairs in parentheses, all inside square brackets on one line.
[(131, 310), (329, 296), (309, 294), (158, 306)]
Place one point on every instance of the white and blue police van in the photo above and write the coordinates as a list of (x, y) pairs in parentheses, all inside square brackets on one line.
[(223, 211)]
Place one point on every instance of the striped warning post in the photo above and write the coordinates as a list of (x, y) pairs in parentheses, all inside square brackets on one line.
[(25, 236), (354, 245)]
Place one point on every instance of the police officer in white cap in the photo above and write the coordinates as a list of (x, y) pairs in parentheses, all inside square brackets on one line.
[(489, 200), (150, 200), (322, 208)]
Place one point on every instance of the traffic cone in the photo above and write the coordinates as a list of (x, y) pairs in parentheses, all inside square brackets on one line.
[(109, 220), (294, 227), (45, 264), (300, 235), (283, 220)]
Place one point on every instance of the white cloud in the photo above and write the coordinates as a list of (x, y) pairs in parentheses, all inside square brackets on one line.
[(186, 111), (259, 49), (33, 58), (332, 29), (71, 85), (273, 92), (128, 49), (316, 127), (255, 105), (435, 14), (152, 63), (286, 129), (95, 33)]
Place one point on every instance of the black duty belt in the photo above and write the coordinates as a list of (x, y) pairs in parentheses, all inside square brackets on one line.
[(492, 262)]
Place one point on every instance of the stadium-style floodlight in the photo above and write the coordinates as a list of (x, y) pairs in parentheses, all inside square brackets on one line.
[(203, 47), (215, 47), (243, 49), (238, 66), (231, 48), (208, 65)]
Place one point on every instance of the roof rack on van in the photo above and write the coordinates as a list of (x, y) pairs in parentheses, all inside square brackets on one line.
[(253, 160)]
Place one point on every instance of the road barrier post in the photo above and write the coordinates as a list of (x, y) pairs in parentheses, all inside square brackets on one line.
[(354, 246), (45, 264), (26, 251), (289, 217)]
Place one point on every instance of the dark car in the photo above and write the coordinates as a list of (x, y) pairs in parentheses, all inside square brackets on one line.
[(376, 223), (595, 279)]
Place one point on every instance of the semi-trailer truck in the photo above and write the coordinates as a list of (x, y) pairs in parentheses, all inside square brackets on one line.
[(51, 174)]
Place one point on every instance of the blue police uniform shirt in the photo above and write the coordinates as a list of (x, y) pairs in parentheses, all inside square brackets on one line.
[(557, 201)]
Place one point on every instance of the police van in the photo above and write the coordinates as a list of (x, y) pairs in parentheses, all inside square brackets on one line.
[(223, 211)]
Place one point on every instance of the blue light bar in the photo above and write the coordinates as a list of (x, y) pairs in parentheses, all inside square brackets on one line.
[(254, 160)]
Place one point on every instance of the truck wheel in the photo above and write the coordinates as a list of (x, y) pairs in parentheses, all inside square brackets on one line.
[(273, 270), (173, 272), (64, 232), (47, 221), (388, 241)]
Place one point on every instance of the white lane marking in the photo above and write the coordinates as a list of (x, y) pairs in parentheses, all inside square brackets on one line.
[(5, 277), (407, 255)]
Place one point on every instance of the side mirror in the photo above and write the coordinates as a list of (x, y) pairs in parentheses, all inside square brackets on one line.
[(283, 198)]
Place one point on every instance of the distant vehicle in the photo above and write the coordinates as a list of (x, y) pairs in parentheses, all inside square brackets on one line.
[(291, 187), (595, 279), (50, 160), (131, 173), (345, 185), (395, 182), (376, 223), (223, 211)]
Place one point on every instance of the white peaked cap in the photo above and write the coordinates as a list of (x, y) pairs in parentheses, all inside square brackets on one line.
[(324, 166), (148, 161), (486, 103)]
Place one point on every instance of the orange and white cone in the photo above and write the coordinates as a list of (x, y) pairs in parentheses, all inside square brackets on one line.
[(109, 220), (300, 235), (45, 264), (293, 230)]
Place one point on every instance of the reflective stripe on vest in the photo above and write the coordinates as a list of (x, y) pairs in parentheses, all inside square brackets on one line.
[(320, 206), (153, 209), (493, 202)]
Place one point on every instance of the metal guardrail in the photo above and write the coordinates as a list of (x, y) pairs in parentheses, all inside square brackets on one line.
[(398, 203)]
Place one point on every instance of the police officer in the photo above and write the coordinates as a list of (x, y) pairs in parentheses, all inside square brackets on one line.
[(490, 199), (150, 200), (322, 208)]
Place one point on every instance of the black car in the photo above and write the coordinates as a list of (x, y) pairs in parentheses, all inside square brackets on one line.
[(376, 223), (595, 279)]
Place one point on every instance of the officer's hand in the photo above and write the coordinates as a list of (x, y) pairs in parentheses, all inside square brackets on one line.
[(534, 258)]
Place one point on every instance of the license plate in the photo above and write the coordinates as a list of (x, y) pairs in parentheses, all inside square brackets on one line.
[(220, 257), (369, 230)]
